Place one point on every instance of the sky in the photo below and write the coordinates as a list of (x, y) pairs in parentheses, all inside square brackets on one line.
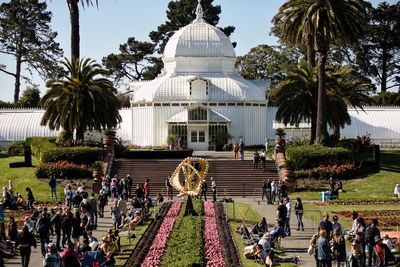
[(103, 29)]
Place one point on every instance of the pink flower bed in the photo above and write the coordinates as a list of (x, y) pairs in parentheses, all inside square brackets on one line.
[(212, 244), (157, 249)]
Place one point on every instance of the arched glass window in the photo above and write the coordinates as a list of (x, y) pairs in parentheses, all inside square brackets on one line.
[(198, 114)]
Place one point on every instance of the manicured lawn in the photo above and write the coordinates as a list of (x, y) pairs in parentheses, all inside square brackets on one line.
[(128, 244), (23, 177), (243, 210), (375, 186)]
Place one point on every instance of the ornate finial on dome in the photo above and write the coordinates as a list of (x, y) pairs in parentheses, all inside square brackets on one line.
[(199, 11)]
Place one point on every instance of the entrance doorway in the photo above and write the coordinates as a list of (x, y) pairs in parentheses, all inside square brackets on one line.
[(198, 138)]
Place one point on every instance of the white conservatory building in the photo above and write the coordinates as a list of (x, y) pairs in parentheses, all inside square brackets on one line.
[(199, 93)]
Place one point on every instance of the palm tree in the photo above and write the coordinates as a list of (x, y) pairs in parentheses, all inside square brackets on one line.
[(74, 20), (296, 99), (325, 22), (79, 100), (297, 102), (350, 91)]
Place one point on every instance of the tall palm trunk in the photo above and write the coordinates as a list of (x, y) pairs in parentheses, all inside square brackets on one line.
[(80, 134), (313, 123), (310, 51), (74, 19), (321, 105)]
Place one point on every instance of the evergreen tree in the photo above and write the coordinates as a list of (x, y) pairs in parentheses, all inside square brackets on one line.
[(25, 34)]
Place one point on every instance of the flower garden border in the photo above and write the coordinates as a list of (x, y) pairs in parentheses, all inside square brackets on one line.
[(142, 247), (357, 202), (229, 251)]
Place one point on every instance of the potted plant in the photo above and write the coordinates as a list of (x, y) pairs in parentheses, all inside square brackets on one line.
[(97, 169), (109, 135), (171, 141), (221, 139), (280, 139)]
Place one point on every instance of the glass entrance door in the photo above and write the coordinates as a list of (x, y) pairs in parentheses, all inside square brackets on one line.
[(198, 138)]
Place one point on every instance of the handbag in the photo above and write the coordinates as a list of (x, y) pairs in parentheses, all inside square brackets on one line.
[(311, 250)]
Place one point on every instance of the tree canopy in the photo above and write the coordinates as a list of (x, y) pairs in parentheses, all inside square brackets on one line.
[(138, 60), (25, 34), (81, 99)]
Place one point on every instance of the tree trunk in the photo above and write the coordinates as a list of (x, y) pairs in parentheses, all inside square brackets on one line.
[(80, 135), (321, 106), (17, 79), (310, 52), (74, 18), (384, 70), (313, 124)]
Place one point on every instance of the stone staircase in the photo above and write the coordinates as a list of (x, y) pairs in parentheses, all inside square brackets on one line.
[(234, 177)]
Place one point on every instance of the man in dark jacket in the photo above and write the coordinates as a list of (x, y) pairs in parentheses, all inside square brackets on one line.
[(25, 240)]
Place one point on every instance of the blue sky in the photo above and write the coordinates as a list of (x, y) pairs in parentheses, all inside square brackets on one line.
[(103, 29)]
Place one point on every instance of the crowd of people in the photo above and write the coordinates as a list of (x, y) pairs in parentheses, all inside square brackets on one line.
[(328, 245), (273, 191), (64, 232)]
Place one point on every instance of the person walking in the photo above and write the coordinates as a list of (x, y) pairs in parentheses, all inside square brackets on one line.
[(203, 190), (168, 185), (25, 240), (93, 210), (30, 198), (146, 189), (288, 212), (130, 184), (241, 149), (371, 233), (235, 150), (299, 211), (323, 250), (214, 189), (264, 190), (338, 247), (53, 189)]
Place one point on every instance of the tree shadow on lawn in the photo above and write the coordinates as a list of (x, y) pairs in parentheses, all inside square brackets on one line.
[(4, 155), (390, 161)]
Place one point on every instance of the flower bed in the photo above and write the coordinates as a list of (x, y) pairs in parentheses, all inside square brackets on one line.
[(186, 240), (385, 217), (212, 244), (157, 249), (354, 203)]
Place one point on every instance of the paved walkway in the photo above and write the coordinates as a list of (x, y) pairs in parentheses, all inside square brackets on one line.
[(297, 243), (103, 224)]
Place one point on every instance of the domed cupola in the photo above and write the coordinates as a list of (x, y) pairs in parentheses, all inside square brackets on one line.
[(199, 40)]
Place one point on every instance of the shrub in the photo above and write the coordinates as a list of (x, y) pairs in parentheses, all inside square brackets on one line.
[(16, 148), (86, 155), (356, 145), (308, 157), (62, 170), (40, 144), (324, 172)]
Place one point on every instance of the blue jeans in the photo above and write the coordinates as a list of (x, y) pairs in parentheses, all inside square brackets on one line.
[(299, 217), (287, 226), (43, 243)]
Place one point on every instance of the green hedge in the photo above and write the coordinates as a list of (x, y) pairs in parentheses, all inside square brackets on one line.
[(185, 247), (46, 150), (308, 157), (62, 170), (40, 144), (86, 155), (16, 148)]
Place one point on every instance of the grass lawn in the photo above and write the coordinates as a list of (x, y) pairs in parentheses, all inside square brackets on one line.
[(128, 244), (375, 186), (23, 177), (243, 210)]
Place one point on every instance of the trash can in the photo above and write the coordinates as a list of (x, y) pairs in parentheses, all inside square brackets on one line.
[(325, 196)]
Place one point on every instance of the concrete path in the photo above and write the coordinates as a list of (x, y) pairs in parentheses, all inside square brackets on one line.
[(103, 224), (298, 242)]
